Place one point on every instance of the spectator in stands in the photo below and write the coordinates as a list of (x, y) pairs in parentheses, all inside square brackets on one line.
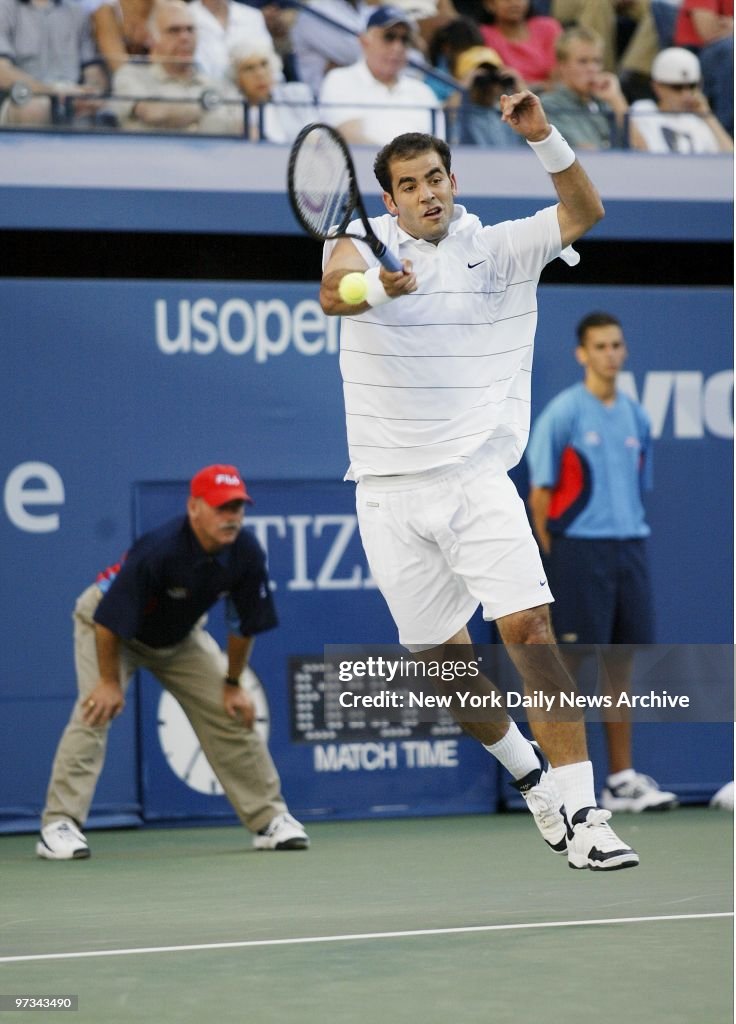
[(446, 43), (484, 80), (276, 110), (47, 62), (222, 25), (170, 80), (428, 16), (320, 46), (372, 101), (706, 26), (121, 31), (450, 39), (525, 42), (588, 106), (603, 17), (280, 20), (681, 120)]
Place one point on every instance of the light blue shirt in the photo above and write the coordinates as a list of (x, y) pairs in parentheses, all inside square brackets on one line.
[(596, 458)]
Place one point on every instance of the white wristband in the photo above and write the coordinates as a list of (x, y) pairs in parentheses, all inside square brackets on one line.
[(376, 294), (553, 153)]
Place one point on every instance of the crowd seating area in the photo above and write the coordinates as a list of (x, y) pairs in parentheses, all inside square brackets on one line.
[(649, 75)]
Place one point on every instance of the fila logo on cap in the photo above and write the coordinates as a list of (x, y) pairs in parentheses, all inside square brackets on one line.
[(218, 485)]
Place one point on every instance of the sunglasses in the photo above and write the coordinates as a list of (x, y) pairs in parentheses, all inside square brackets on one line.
[(681, 86), (394, 37)]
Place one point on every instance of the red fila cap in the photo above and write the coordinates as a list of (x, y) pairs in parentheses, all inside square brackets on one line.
[(219, 484)]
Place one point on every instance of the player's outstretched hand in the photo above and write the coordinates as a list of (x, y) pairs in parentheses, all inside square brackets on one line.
[(525, 113), (400, 282)]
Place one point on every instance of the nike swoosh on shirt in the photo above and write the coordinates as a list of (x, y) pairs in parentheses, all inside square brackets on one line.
[(471, 265)]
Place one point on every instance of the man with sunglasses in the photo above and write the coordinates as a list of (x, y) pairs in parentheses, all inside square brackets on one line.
[(680, 121), (373, 100)]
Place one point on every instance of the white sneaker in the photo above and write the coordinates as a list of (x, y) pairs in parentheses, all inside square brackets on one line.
[(62, 840), (723, 799), (283, 833), (595, 845), (638, 794), (544, 801)]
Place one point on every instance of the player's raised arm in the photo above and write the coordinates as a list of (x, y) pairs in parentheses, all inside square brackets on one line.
[(580, 205)]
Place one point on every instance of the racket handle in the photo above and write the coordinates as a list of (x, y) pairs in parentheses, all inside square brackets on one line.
[(387, 258)]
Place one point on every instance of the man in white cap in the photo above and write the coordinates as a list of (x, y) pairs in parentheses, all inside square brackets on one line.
[(148, 612), (373, 100), (680, 121)]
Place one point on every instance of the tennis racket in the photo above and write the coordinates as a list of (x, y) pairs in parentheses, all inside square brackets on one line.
[(323, 190)]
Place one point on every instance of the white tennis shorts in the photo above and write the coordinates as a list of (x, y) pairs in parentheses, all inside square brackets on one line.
[(440, 543)]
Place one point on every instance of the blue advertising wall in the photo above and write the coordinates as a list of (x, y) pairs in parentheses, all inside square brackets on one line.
[(114, 393)]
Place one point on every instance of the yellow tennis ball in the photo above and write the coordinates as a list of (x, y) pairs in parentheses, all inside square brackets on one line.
[(353, 289)]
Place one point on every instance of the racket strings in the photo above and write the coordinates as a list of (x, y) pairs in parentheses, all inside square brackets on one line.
[(322, 183)]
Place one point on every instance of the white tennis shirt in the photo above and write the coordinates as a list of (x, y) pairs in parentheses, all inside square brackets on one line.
[(430, 377)]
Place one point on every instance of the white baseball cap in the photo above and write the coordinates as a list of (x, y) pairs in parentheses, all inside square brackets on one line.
[(676, 65)]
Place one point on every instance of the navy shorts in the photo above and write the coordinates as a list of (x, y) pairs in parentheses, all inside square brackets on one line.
[(602, 591)]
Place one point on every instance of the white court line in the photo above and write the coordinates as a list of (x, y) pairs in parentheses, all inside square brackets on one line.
[(360, 937)]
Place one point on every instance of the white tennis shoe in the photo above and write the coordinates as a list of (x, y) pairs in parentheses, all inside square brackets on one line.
[(723, 799), (544, 801), (641, 793), (282, 833), (62, 840), (595, 845)]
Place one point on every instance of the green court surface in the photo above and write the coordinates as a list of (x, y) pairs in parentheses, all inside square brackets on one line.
[(468, 919)]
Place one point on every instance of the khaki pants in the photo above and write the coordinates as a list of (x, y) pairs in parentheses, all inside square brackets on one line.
[(193, 672), (600, 16)]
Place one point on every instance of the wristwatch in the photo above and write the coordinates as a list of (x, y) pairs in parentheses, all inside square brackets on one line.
[(20, 93)]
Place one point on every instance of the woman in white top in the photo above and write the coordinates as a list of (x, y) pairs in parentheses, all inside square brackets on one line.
[(277, 110), (222, 24)]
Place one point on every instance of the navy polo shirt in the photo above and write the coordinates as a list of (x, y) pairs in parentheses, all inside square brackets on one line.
[(167, 581)]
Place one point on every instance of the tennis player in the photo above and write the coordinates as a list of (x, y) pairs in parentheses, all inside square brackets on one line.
[(436, 368)]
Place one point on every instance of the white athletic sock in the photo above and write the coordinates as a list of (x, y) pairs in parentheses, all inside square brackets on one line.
[(627, 775), (576, 786), (515, 752)]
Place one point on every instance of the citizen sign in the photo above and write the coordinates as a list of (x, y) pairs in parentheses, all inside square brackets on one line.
[(322, 552)]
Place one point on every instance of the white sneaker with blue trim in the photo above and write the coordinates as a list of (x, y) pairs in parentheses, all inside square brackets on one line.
[(62, 840), (544, 801), (640, 793), (282, 833), (595, 845)]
